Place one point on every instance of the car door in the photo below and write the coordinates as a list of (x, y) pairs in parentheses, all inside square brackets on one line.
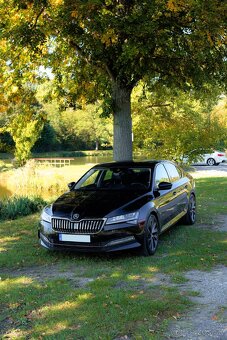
[(164, 199), (179, 188)]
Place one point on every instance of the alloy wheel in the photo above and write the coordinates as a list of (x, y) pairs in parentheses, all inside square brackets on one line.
[(152, 234), (210, 161), (192, 208)]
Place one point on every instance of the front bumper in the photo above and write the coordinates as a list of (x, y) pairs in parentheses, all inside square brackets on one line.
[(126, 237)]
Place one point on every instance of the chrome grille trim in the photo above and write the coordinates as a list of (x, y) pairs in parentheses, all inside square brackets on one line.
[(85, 226)]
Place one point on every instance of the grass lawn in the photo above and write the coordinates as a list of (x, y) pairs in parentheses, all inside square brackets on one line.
[(120, 297)]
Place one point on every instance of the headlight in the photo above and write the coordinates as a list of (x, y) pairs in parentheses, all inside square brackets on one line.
[(131, 217), (45, 216)]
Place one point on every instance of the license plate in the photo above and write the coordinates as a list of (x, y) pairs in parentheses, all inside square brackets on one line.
[(75, 238)]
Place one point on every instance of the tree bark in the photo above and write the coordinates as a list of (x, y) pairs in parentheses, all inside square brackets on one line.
[(122, 146)]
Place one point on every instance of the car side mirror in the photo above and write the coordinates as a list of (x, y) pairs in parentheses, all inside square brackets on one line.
[(164, 186), (71, 185)]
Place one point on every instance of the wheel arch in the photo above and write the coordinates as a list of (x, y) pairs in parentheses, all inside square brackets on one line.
[(155, 213)]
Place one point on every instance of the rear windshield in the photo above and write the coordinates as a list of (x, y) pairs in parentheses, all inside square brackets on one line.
[(116, 179)]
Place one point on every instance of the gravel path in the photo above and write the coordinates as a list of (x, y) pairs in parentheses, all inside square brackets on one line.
[(206, 171), (208, 319)]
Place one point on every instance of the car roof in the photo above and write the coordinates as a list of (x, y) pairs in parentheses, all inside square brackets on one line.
[(144, 164)]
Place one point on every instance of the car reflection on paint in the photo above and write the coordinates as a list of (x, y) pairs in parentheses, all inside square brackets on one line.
[(120, 205)]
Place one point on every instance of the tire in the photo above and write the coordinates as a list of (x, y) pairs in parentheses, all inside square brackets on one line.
[(190, 216), (151, 236), (211, 162)]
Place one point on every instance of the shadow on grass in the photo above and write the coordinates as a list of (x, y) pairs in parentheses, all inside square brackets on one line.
[(56, 309)]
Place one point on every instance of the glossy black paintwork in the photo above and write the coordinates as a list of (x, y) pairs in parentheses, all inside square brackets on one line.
[(98, 204)]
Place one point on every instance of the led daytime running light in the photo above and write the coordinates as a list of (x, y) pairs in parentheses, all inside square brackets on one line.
[(123, 218)]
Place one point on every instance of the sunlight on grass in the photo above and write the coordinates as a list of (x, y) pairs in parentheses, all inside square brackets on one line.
[(134, 296), (63, 306), (116, 274), (133, 277), (152, 269), (85, 296), (58, 327), (9, 284), (15, 333), (9, 239)]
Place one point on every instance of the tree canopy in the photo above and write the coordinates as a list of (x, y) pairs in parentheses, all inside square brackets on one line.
[(178, 124), (102, 49)]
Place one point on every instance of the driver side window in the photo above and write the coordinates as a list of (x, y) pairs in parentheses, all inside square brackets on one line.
[(160, 175)]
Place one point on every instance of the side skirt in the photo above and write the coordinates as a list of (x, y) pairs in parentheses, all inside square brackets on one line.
[(173, 221)]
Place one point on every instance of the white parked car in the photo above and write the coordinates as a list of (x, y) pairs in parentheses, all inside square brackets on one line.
[(214, 158)]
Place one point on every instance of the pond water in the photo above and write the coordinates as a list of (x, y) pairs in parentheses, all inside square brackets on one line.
[(91, 159)]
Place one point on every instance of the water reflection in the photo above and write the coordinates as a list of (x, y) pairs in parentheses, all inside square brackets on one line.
[(91, 159)]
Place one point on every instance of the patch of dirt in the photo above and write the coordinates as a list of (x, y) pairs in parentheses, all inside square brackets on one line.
[(42, 274), (208, 319), (141, 283), (220, 224)]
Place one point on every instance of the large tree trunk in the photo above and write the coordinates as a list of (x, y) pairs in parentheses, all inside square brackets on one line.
[(122, 145)]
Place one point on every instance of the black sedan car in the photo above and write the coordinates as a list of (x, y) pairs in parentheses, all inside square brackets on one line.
[(117, 206)]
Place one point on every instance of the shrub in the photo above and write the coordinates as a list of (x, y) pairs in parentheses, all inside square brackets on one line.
[(16, 206)]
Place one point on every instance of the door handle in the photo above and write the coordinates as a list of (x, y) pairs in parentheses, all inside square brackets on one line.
[(174, 193)]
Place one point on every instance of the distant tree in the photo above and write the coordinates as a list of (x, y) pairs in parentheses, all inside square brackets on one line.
[(219, 114), (175, 125), (83, 129), (47, 140), (101, 49), (23, 120), (75, 128)]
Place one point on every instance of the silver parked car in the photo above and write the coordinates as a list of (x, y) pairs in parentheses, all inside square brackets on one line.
[(202, 158), (210, 159)]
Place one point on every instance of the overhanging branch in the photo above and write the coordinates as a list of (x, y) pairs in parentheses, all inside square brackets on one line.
[(37, 17)]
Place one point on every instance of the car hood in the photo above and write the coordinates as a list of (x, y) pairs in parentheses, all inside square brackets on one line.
[(97, 204)]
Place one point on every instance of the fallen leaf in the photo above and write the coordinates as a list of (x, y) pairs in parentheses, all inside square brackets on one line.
[(214, 317)]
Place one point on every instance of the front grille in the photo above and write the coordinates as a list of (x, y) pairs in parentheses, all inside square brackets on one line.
[(93, 226)]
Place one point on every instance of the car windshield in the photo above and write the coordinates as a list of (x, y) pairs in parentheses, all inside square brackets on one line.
[(115, 179)]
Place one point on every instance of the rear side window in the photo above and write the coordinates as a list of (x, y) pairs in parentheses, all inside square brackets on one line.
[(173, 172), (160, 175)]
